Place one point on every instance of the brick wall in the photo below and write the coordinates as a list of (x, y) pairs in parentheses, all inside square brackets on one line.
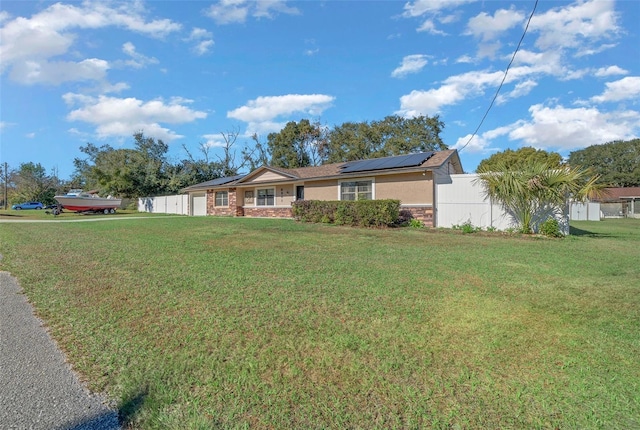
[(229, 210), (268, 212), (424, 214)]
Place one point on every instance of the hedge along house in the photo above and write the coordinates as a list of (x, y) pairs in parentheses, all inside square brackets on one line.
[(270, 191)]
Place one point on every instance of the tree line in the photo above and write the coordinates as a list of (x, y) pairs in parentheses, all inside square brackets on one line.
[(146, 169)]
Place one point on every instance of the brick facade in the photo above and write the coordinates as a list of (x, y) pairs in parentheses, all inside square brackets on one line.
[(268, 212), (422, 213), (229, 210)]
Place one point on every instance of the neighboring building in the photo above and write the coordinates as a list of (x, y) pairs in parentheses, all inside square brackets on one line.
[(269, 191), (620, 202)]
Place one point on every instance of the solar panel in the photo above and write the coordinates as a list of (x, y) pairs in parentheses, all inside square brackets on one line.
[(410, 160), (221, 181)]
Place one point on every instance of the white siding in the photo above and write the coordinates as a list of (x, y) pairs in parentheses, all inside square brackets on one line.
[(267, 176)]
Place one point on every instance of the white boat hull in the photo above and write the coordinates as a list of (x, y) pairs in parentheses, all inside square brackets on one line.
[(88, 204)]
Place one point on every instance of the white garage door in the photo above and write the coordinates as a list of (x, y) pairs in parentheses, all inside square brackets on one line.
[(199, 204)]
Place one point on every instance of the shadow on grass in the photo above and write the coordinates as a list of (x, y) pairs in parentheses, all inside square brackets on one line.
[(113, 420), (131, 405), (573, 231)]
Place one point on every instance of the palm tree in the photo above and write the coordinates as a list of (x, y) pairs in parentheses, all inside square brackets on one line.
[(534, 191)]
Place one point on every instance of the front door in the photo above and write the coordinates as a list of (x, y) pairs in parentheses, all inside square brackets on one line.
[(299, 192)]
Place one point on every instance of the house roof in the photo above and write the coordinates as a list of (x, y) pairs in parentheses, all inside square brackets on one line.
[(432, 161), (213, 183), (619, 193)]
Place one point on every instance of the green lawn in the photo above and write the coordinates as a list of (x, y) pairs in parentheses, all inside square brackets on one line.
[(248, 323)]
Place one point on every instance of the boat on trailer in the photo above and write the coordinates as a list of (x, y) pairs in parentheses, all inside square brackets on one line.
[(88, 202)]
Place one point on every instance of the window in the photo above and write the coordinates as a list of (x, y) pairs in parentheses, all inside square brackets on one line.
[(222, 198), (248, 197), (357, 190), (266, 197)]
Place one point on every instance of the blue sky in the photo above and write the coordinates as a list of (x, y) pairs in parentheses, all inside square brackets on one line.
[(188, 71)]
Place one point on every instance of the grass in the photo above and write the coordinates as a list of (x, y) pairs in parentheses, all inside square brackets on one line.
[(46, 214), (251, 323)]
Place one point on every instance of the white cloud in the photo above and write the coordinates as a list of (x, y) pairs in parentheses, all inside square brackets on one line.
[(268, 108), (429, 26), (4, 16), (433, 10), (487, 27), (237, 11), (410, 64), (560, 129), (114, 88), (581, 25), (199, 33), (203, 47), (204, 41), (57, 72), (477, 145), (137, 60), (261, 114), (29, 44), (214, 141), (610, 71), (422, 7), (123, 116), (454, 90), (625, 89), (521, 89), (567, 129), (266, 8), (465, 59), (313, 50)]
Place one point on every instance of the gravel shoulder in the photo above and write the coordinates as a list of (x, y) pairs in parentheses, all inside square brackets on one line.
[(38, 389)]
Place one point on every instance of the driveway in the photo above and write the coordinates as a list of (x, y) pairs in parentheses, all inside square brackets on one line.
[(38, 389), (81, 219)]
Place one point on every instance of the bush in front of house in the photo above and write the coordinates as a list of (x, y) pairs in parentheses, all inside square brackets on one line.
[(551, 228), (360, 213)]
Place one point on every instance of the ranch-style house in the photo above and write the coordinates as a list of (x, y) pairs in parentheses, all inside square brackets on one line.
[(270, 191)]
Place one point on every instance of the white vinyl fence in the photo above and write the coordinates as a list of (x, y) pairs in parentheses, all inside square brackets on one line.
[(589, 211), (460, 199), (178, 204)]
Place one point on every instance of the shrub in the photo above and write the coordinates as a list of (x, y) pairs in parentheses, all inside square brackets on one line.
[(467, 227), (551, 228), (415, 223), (362, 213), (314, 211)]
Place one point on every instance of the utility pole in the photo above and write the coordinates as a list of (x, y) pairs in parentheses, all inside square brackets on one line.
[(6, 176)]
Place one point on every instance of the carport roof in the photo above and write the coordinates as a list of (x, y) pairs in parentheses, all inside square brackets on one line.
[(213, 183)]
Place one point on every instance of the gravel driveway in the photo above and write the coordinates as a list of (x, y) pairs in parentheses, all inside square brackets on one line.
[(38, 389)]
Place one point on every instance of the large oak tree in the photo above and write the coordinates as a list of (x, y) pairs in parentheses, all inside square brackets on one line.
[(514, 160), (617, 163)]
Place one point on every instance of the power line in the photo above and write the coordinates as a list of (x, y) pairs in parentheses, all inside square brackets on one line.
[(503, 78)]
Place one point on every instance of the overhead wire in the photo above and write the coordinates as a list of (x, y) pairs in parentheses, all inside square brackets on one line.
[(503, 78)]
